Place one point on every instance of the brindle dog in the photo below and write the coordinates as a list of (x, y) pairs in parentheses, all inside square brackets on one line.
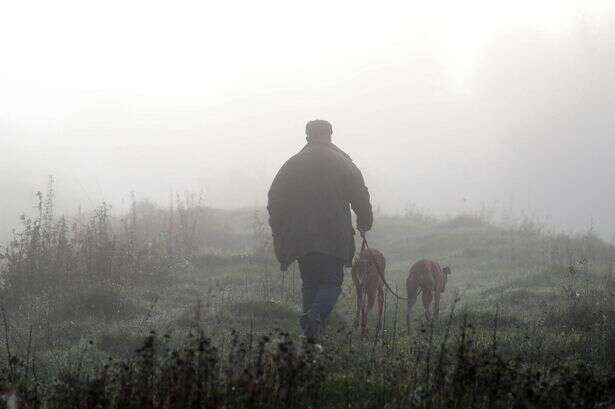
[(429, 277), (369, 285)]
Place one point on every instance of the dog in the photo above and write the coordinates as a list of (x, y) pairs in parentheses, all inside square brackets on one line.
[(366, 271), (428, 277)]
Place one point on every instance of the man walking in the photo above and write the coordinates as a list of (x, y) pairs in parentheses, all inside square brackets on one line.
[(309, 214)]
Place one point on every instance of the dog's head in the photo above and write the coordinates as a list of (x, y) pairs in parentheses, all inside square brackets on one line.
[(447, 271)]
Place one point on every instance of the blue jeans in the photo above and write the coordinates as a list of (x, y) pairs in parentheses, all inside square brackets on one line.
[(322, 277)]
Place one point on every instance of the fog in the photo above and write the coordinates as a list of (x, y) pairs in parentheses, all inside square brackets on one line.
[(508, 109)]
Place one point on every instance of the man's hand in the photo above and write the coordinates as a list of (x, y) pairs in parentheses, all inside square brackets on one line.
[(362, 232), (277, 249)]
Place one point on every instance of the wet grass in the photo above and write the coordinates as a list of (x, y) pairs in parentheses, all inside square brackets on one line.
[(528, 327)]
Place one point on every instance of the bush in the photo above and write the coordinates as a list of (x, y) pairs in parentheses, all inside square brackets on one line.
[(48, 254), (274, 371)]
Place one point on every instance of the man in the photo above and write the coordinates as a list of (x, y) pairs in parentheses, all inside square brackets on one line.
[(309, 214)]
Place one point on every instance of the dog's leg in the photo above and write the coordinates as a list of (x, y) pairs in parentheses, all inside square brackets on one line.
[(371, 298), (359, 306), (427, 299), (359, 289), (412, 292), (380, 308), (436, 303)]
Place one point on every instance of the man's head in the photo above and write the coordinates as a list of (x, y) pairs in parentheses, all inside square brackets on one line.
[(318, 130)]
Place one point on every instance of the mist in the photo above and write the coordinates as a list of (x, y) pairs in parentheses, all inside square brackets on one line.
[(158, 248), (514, 118)]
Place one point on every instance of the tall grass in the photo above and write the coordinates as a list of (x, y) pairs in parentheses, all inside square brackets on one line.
[(50, 256), (536, 327), (275, 371)]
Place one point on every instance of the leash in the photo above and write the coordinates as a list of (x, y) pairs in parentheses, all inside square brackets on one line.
[(364, 246)]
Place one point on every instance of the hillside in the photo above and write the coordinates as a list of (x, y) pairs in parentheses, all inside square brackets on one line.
[(539, 297)]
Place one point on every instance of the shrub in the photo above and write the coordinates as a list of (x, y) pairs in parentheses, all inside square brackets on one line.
[(275, 371), (48, 256)]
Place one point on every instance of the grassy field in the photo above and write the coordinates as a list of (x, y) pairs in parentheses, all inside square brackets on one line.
[(208, 320)]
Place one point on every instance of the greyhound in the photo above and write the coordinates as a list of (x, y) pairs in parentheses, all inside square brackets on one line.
[(426, 276), (369, 284)]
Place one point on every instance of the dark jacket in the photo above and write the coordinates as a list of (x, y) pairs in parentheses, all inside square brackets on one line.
[(309, 204)]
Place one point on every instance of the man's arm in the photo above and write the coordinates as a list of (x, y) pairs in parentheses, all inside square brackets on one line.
[(359, 200), (277, 207), (276, 202)]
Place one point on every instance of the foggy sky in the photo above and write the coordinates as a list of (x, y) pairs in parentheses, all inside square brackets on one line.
[(451, 110)]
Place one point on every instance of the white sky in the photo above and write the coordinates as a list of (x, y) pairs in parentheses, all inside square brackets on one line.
[(160, 96), (58, 57)]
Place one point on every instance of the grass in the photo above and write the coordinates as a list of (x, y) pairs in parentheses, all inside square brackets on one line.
[(528, 318)]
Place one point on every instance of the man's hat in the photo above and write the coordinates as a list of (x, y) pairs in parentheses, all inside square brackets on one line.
[(318, 129)]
